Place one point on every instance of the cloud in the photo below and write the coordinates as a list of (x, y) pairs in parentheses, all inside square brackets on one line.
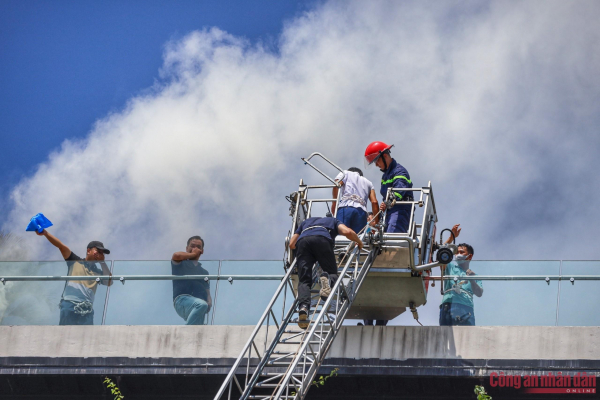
[(495, 103)]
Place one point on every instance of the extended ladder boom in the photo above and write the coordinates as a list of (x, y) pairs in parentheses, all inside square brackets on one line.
[(289, 363)]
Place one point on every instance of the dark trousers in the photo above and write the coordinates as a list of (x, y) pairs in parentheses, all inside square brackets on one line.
[(309, 250), (397, 220)]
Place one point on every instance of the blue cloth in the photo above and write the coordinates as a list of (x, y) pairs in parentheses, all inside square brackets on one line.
[(68, 316), (465, 297), (353, 217), (397, 177), (191, 309), (39, 223), (456, 314), (326, 226)]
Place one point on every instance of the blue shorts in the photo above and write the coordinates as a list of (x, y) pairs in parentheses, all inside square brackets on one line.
[(354, 218)]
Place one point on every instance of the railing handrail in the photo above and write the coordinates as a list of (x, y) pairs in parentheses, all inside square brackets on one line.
[(143, 277), (514, 277), (277, 260), (122, 260)]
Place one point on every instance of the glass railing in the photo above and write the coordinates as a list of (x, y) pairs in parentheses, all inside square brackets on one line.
[(242, 302), (516, 302), (578, 299), (37, 302), (144, 292), (150, 302), (237, 293)]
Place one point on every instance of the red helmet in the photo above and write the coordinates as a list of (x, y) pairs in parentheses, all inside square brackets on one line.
[(375, 150)]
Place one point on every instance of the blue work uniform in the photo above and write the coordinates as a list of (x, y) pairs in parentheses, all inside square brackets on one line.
[(397, 217)]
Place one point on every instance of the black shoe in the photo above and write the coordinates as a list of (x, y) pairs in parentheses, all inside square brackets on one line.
[(303, 317)]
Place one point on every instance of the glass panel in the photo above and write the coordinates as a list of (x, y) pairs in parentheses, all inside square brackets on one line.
[(579, 300), (242, 302), (507, 302), (150, 302), (528, 303), (37, 302)]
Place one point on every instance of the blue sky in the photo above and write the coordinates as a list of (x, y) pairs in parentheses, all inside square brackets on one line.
[(65, 64), (153, 122)]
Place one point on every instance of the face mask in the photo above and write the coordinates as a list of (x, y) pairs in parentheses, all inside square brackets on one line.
[(461, 260)]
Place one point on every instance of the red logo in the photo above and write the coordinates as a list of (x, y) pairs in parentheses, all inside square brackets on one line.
[(547, 383)]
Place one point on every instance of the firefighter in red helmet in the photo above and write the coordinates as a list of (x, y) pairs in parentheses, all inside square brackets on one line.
[(394, 176)]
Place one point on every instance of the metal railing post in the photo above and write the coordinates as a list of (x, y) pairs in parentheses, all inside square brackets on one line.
[(558, 293), (112, 272), (214, 310)]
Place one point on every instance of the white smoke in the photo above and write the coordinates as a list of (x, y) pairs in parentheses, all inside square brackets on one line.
[(495, 103)]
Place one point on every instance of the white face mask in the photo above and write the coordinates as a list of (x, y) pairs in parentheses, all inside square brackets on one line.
[(461, 260)]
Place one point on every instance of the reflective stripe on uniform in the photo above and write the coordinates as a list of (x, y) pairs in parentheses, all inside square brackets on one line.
[(394, 178), (398, 195)]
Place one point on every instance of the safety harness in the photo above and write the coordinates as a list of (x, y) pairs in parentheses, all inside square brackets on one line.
[(354, 197), (313, 227)]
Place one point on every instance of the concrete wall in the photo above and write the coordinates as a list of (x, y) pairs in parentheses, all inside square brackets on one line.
[(353, 342)]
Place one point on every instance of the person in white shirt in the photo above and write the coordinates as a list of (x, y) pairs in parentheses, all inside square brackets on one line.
[(357, 192)]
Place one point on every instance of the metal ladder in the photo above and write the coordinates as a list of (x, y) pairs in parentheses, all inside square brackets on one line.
[(286, 367)]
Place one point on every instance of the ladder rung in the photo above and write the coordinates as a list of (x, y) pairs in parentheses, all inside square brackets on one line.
[(272, 385), (275, 373), (278, 364), (295, 321), (316, 342), (289, 340)]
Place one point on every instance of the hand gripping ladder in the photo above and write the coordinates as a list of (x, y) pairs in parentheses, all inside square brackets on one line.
[(286, 367)]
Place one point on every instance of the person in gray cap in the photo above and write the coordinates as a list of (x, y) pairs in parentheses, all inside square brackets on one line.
[(77, 300)]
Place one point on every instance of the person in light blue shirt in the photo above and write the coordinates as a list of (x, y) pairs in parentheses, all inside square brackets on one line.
[(457, 304)]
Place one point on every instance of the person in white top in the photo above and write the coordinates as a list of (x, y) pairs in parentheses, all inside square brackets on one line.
[(357, 192)]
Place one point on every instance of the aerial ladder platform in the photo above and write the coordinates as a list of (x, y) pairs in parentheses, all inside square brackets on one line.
[(390, 274)]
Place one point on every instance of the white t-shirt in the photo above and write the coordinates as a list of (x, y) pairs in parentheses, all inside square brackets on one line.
[(356, 185)]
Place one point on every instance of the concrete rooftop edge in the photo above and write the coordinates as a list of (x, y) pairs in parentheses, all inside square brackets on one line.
[(353, 342)]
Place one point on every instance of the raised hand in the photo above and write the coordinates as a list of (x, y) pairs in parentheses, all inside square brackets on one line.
[(456, 230)]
